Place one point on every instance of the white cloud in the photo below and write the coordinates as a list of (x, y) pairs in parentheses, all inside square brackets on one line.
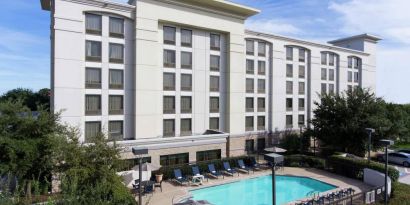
[(272, 26)]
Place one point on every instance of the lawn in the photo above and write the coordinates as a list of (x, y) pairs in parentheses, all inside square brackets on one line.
[(402, 146), (400, 194)]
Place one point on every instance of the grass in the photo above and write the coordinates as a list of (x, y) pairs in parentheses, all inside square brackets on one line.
[(400, 194), (402, 146)]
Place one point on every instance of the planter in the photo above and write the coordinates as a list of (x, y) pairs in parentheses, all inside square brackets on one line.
[(158, 178)]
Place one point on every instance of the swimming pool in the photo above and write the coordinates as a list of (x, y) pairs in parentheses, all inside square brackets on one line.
[(258, 191)]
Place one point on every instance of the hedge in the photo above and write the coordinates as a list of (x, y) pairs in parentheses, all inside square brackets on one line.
[(299, 160), (168, 171), (353, 168)]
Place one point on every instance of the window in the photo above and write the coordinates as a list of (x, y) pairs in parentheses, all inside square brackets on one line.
[(214, 123), (289, 53), (332, 59), (349, 62), (186, 127), (289, 70), (186, 38), (116, 104), (249, 85), (356, 63), (249, 123), (302, 54), (289, 121), (169, 35), (215, 42), (116, 79), (214, 83), (169, 81), (169, 58), (323, 88), (261, 104), (324, 58), (186, 60), (261, 122), (249, 47), (169, 128), (289, 104), (250, 67), (169, 105), (249, 105), (186, 104), (174, 159), (115, 131), (301, 71), (301, 104), (130, 163), (356, 77), (116, 53), (301, 119), (208, 155), (261, 49), (92, 105), (214, 65), (301, 88), (92, 129), (92, 78), (289, 87), (249, 146), (331, 88), (261, 67), (350, 88), (116, 27), (93, 24), (186, 82), (93, 51), (214, 104), (349, 76), (331, 74), (324, 74), (261, 86)]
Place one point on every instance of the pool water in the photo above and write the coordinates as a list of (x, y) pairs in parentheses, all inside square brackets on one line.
[(258, 191)]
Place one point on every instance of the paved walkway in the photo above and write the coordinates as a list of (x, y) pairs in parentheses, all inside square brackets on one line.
[(173, 192)]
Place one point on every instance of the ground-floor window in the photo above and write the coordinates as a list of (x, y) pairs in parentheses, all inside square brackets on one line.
[(174, 159), (261, 144), (249, 146), (128, 164), (208, 155)]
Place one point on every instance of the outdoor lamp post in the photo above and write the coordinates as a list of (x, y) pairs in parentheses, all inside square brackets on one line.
[(274, 159), (138, 151), (386, 144), (370, 131)]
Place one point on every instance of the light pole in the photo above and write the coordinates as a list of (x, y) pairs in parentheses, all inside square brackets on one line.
[(369, 145), (274, 159), (386, 144), (138, 151)]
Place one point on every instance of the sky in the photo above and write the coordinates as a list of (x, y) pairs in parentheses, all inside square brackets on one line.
[(25, 31)]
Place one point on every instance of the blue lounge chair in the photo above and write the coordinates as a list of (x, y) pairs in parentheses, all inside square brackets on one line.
[(228, 169), (196, 172), (254, 164), (242, 166), (179, 178), (213, 172)]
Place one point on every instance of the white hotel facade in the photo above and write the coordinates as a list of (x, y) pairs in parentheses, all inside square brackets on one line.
[(186, 80)]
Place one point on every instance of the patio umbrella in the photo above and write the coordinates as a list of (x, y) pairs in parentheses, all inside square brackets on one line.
[(146, 167), (275, 150)]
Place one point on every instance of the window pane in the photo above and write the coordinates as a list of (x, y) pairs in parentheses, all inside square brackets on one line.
[(208, 155), (186, 60), (349, 76), (169, 128), (116, 53), (289, 121), (302, 54), (116, 104), (115, 131), (250, 67), (331, 88), (186, 127), (116, 27), (261, 122), (174, 159), (93, 105), (214, 123), (331, 59), (169, 58), (301, 88), (261, 67), (301, 119), (215, 42), (214, 83), (169, 105), (356, 77), (169, 81), (93, 50), (331, 74), (249, 85), (92, 77), (324, 58), (186, 82), (261, 104), (289, 70), (301, 71), (92, 129), (186, 104), (169, 35), (261, 49), (93, 24), (301, 104), (249, 47), (324, 74), (356, 63), (289, 104), (261, 86), (323, 88), (214, 104), (289, 87), (289, 53), (214, 64), (186, 38), (349, 62), (249, 123), (116, 80), (249, 105)]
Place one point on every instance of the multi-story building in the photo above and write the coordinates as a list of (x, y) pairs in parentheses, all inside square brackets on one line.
[(186, 80)]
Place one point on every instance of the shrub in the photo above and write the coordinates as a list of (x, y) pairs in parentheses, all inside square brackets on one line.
[(353, 168), (304, 161)]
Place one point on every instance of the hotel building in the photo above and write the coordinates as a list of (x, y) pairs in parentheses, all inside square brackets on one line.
[(185, 79)]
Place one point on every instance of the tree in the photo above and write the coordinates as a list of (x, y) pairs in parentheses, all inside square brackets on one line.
[(33, 100)]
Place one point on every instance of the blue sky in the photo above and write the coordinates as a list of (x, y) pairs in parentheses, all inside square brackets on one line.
[(24, 39)]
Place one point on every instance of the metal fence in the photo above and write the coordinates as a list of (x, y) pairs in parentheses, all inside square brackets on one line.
[(370, 196)]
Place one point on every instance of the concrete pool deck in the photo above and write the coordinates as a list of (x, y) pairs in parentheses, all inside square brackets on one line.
[(173, 192)]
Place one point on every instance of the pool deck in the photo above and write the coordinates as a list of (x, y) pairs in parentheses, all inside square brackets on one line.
[(172, 191)]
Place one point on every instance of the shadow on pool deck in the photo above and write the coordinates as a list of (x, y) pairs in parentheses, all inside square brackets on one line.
[(171, 191)]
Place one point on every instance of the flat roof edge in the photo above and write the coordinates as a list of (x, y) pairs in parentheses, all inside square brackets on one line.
[(365, 36)]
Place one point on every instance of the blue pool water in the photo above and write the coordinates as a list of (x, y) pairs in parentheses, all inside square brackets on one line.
[(258, 191)]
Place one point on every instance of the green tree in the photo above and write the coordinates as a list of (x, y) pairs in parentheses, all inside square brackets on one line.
[(33, 100)]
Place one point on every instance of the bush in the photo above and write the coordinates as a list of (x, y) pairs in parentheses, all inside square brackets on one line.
[(353, 168), (304, 161), (400, 194), (168, 171)]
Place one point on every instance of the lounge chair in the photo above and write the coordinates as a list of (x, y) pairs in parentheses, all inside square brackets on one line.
[(196, 172), (179, 178), (243, 167), (228, 169), (213, 172), (255, 164), (148, 189)]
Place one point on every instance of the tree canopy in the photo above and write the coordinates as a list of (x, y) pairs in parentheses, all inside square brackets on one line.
[(33, 100)]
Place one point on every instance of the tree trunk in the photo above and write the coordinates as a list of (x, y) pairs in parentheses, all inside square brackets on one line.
[(28, 189)]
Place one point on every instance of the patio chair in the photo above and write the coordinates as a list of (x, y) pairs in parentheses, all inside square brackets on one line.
[(148, 189), (213, 172), (243, 167), (196, 172), (228, 169), (255, 164), (179, 178)]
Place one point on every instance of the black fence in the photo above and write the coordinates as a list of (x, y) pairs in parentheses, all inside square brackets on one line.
[(371, 196)]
